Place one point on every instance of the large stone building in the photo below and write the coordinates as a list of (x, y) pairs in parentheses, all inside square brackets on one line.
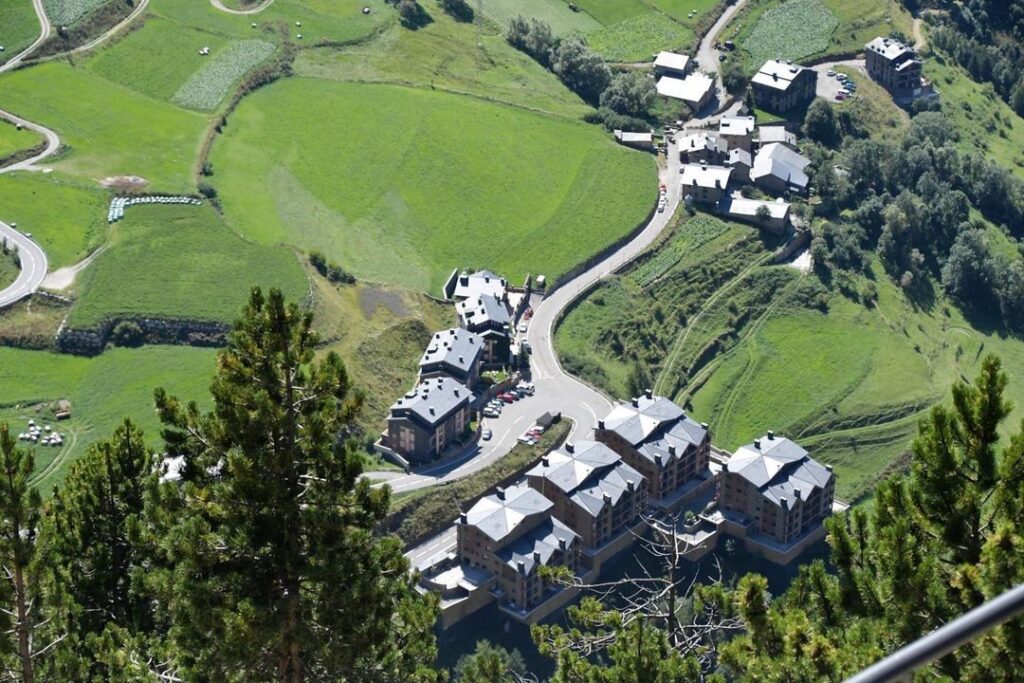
[(655, 437), (737, 131), (896, 68), (593, 490), (511, 534), (489, 316), (783, 493), (780, 86), (778, 169), (703, 147), (454, 353), (429, 418), (705, 184)]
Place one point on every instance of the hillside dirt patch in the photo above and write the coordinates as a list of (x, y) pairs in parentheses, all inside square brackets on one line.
[(372, 297), (125, 183)]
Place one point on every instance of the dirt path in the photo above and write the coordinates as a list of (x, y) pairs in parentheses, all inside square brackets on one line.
[(62, 278), (252, 10)]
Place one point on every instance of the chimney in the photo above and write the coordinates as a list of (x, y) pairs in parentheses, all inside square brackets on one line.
[(500, 493), (828, 467), (607, 499), (757, 444), (431, 411), (771, 435), (570, 447), (648, 393), (718, 183), (463, 518), (545, 461), (561, 544), (630, 485), (796, 492), (521, 566), (704, 425), (785, 503), (672, 449), (636, 402), (657, 459), (600, 424), (536, 556)]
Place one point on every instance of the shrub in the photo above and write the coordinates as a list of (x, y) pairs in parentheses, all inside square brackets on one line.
[(458, 9), (127, 333), (207, 190)]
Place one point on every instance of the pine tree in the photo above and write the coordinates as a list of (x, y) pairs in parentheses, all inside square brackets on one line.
[(19, 518), (274, 572), (89, 554)]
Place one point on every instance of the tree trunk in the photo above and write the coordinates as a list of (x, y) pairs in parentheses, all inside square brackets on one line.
[(23, 628)]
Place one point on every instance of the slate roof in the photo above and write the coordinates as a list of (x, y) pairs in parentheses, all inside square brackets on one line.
[(483, 309), (736, 125), (705, 175), (655, 427), (747, 208), (587, 474), (626, 137), (500, 514), (779, 468), (536, 547), (705, 141), (456, 347), (780, 161), (739, 156), (480, 282), (777, 74), (433, 400), (769, 134), (691, 89), (891, 49), (671, 60)]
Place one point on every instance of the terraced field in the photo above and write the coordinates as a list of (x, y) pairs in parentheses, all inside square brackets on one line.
[(182, 263), (401, 185)]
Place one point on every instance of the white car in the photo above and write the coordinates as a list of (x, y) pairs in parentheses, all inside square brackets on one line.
[(522, 328)]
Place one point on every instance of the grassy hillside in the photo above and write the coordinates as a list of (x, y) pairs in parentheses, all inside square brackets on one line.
[(110, 129), (18, 27), (102, 390), (775, 350), (402, 185), (180, 261), (13, 140), (64, 214)]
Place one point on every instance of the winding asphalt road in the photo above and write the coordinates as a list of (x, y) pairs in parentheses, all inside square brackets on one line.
[(252, 10)]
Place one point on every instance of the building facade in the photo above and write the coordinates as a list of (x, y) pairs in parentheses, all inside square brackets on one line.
[(705, 184), (455, 353), (778, 488), (657, 439), (428, 419), (512, 534), (490, 317), (780, 86), (594, 492), (895, 67)]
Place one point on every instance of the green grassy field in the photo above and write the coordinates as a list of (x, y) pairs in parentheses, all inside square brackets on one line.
[(797, 30), (555, 12), (444, 55), (156, 59), (637, 38), (401, 184), (102, 390), (67, 12), (18, 27), (65, 215), (8, 270), (138, 136), (14, 140), (180, 261)]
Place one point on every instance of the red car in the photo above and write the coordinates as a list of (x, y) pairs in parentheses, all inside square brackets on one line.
[(507, 398)]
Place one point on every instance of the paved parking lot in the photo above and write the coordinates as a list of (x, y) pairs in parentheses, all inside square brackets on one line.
[(828, 86)]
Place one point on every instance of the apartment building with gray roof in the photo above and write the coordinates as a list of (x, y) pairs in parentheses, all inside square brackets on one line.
[(429, 418), (490, 317), (455, 353)]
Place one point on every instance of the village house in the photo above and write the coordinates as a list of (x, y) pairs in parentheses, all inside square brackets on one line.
[(429, 418), (455, 353), (696, 90), (511, 534), (780, 86), (737, 131), (769, 134), (896, 68), (778, 169), (641, 141), (656, 438), (706, 148), (772, 216), (781, 491), (490, 317), (593, 490), (671, 64), (740, 162), (706, 184)]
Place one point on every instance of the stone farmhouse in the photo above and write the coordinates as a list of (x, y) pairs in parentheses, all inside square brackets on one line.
[(703, 148), (737, 131), (780, 86), (671, 64), (433, 415), (778, 169), (706, 184), (896, 68)]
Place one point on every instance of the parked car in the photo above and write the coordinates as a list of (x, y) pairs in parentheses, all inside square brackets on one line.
[(507, 398), (526, 345), (522, 328), (491, 412), (486, 435), (830, 73)]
